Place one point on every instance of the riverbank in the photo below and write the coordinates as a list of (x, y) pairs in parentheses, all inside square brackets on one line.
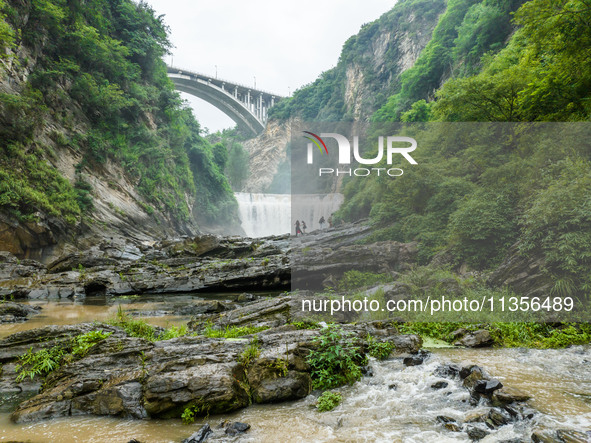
[(172, 334)]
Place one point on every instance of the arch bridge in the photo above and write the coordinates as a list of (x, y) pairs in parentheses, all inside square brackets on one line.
[(247, 106)]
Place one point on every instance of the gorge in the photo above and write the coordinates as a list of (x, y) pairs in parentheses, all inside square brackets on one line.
[(151, 285)]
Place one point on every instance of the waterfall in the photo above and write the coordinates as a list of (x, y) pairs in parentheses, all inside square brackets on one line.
[(272, 214)]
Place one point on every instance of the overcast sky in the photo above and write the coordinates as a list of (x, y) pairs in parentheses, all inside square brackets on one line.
[(284, 44)]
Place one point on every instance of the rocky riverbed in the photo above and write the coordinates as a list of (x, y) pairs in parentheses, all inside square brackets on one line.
[(134, 378)]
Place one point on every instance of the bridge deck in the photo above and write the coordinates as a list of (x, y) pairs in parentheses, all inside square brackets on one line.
[(219, 82), (247, 106)]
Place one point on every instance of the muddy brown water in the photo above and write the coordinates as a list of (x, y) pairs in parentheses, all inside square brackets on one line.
[(68, 311), (372, 409)]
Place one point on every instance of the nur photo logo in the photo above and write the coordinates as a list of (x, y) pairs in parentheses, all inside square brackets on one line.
[(388, 147)]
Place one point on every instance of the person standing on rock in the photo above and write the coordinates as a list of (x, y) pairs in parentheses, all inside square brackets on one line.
[(330, 221), (304, 227), (321, 222), (298, 229)]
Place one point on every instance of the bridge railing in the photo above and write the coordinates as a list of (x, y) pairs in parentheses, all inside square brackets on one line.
[(176, 70)]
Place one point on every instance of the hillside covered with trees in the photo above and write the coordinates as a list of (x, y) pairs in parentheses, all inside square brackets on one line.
[(486, 61), (85, 102)]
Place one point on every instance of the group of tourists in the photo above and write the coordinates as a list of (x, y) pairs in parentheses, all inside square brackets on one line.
[(300, 226)]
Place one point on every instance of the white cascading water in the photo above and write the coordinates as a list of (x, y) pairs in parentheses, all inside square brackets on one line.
[(272, 214)]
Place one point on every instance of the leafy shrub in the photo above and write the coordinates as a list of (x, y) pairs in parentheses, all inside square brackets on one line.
[(510, 334), (100, 68), (41, 362), (337, 358), (328, 401), (46, 360), (280, 366), (540, 335), (379, 350), (483, 225), (133, 327), (82, 343), (305, 325), (558, 222), (83, 195), (139, 328), (190, 412)]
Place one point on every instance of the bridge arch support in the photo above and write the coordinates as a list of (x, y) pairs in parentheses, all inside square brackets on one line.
[(246, 106)]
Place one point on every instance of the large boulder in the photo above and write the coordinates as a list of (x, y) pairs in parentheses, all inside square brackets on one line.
[(132, 377), (315, 265), (476, 339)]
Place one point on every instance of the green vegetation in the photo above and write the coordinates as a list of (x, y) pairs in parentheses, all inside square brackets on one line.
[(99, 78), (136, 327), (281, 366), (46, 360), (251, 352), (305, 325), (173, 332), (473, 203), (485, 61), (190, 412), (83, 342), (511, 334), (324, 99), (476, 202), (541, 75), (231, 331), (337, 358), (41, 362), (328, 401), (356, 279), (377, 349), (6, 33), (232, 158), (466, 31)]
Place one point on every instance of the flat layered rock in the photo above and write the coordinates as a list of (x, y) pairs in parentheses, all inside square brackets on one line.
[(11, 312)]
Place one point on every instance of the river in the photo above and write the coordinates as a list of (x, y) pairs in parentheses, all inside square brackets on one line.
[(396, 404)]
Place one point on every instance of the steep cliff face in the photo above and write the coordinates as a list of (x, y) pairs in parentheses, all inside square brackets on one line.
[(267, 152), (372, 70), (94, 142), (368, 71)]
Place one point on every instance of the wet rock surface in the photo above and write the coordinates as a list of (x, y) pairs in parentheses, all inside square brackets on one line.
[(320, 260), (205, 263), (474, 339), (11, 312), (132, 377), (135, 378), (200, 436), (416, 359)]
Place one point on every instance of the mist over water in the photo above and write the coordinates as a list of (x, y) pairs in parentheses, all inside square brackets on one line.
[(275, 214)]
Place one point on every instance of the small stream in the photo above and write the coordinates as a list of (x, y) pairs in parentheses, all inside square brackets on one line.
[(396, 404)]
